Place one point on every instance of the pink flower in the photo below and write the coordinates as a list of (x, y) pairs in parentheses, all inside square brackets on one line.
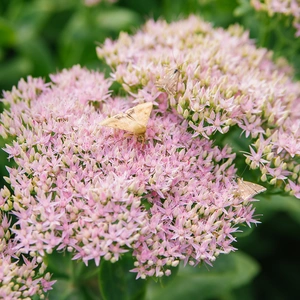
[(256, 158), (288, 8), (235, 85), (19, 280), (99, 192), (83, 188)]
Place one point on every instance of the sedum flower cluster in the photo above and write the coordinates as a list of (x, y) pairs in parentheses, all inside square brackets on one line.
[(224, 83), (20, 277), (284, 7), (98, 192)]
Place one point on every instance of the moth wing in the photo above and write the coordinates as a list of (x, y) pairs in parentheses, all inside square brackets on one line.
[(140, 113), (249, 189), (169, 82), (122, 121), (133, 120), (171, 88)]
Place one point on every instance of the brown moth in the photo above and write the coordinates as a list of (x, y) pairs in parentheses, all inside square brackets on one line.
[(169, 82), (247, 189), (133, 120)]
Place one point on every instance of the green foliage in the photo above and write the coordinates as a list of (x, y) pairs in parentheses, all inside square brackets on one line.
[(273, 244), (229, 272), (275, 33), (39, 37), (117, 283), (75, 280)]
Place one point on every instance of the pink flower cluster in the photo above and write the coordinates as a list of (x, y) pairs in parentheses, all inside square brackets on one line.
[(224, 83), (20, 277), (97, 192), (284, 7)]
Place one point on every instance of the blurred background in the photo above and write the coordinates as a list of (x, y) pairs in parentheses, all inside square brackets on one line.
[(38, 37)]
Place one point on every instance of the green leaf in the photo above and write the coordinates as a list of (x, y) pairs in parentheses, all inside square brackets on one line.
[(165, 280), (39, 55), (60, 264), (118, 283), (28, 19), (12, 70), (243, 8), (77, 41), (7, 33), (228, 272), (75, 280), (279, 203), (118, 19)]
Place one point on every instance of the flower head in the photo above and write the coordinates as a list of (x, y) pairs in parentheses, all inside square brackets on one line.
[(224, 83), (20, 277), (97, 192)]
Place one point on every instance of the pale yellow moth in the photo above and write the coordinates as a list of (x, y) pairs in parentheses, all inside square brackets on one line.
[(169, 82), (247, 189), (134, 119)]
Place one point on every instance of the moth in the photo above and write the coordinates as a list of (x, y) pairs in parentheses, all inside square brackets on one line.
[(169, 82), (247, 189), (133, 120)]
